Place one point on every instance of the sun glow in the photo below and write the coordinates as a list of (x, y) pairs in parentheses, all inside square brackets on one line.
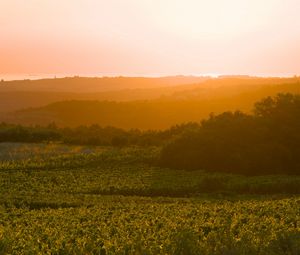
[(198, 19), (150, 37)]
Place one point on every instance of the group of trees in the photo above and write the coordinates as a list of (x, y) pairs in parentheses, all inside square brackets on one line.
[(18, 133), (268, 141), (89, 135)]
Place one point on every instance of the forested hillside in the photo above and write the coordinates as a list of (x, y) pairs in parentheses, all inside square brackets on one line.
[(189, 104), (264, 142), (17, 95)]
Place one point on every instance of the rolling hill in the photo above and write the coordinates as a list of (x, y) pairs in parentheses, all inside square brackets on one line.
[(16, 95), (188, 104)]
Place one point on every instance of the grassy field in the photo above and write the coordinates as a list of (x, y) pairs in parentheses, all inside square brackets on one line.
[(57, 199)]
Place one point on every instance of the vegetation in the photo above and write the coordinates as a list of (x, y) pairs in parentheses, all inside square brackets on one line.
[(89, 135), (73, 102), (263, 143), (58, 199), (62, 193)]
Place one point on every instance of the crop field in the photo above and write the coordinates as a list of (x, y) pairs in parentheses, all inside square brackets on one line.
[(58, 199)]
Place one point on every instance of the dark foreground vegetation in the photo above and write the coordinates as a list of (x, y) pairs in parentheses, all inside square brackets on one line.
[(265, 142)]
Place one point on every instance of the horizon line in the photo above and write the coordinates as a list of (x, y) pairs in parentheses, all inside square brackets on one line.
[(20, 77)]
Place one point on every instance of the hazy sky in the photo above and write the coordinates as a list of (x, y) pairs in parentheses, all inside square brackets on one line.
[(150, 37)]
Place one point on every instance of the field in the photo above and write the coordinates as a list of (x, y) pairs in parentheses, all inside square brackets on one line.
[(57, 199)]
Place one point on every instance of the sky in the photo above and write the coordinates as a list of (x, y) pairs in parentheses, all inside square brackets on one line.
[(150, 37)]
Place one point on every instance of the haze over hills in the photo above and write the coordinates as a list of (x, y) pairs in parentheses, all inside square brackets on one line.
[(16, 95), (20, 94), (93, 85), (150, 108), (17, 100)]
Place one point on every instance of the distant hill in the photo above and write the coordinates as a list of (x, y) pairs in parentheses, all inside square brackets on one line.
[(16, 95), (193, 104), (17, 100), (230, 86), (94, 85)]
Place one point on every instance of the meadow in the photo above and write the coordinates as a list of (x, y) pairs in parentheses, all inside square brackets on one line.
[(62, 199)]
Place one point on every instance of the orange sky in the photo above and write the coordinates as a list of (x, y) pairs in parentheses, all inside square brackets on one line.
[(150, 37)]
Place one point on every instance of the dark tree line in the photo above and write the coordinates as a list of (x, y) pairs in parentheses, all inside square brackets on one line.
[(89, 135), (18, 133), (266, 142)]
